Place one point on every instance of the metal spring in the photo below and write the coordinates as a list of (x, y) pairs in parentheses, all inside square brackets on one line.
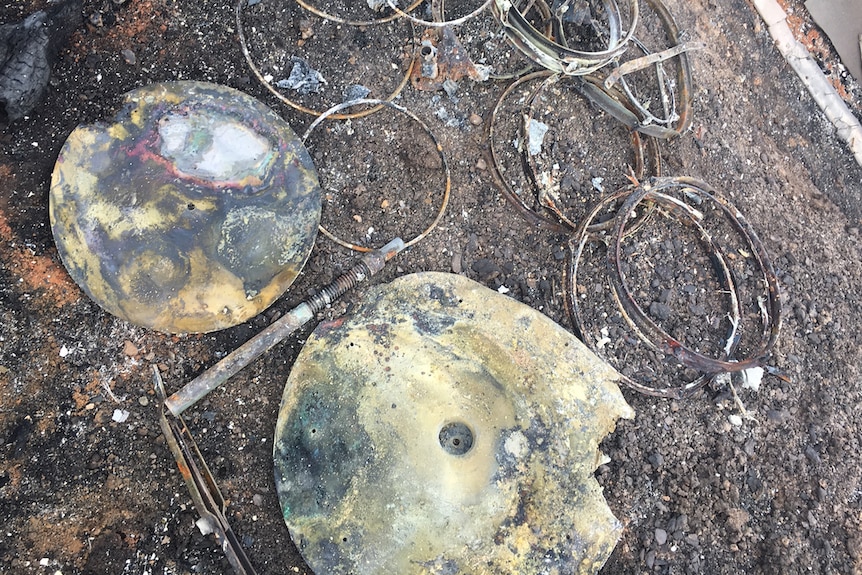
[(339, 287)]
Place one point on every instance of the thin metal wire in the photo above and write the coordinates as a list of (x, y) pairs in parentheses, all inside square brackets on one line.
[(433, 24), (381, 20), (332, 112), (296, 105)]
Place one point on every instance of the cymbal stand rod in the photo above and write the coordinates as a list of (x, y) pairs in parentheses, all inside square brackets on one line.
[(198, 388)]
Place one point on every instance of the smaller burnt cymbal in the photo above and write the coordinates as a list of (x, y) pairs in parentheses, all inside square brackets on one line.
[(193, 210)]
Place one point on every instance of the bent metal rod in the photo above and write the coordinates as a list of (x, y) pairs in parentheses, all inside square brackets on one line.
[(198, 388)]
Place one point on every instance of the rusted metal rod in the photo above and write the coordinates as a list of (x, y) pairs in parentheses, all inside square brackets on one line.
[(202, 487), (198, 388)]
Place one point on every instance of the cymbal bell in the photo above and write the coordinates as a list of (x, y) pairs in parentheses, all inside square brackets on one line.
[(445, 428)]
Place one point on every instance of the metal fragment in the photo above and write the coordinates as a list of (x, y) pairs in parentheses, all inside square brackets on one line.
[(445, 428), (204, 491), (335, 112)]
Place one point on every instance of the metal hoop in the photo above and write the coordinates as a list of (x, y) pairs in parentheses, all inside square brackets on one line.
[(332, 112), (296, 105)]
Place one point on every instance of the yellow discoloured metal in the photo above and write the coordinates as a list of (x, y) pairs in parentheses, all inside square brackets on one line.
[(369, 485), (191, 212), (118, 132)]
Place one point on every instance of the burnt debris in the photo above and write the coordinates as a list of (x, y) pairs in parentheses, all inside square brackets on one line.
[(28, 50)]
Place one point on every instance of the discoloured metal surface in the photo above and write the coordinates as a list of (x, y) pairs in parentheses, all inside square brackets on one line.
[(445, 428), (191, 211)]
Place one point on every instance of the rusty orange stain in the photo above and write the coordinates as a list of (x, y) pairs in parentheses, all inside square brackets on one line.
[(817, 47), (15, 475), (38, 272), (138, 24)]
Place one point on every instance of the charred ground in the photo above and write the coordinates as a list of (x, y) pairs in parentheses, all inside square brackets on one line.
[(780, 493)]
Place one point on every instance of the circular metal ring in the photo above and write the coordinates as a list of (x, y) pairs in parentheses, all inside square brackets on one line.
[(560, 223), (637, 141), (559, 57), (668, 344), (332, 113), (431, 24), (570, 273), (296, 105), (381, 20), (527, 212)]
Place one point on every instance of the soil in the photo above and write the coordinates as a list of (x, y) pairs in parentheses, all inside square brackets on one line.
[(729, 480)]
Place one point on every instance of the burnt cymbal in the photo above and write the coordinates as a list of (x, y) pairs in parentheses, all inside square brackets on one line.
[(445, 428), (193, 210)]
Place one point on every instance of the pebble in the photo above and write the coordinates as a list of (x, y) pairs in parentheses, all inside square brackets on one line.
[(812, 455), (659, 310), (697, 310), (144, 400), (754, 483), (737, 519), (650, 558), (486, 268), (129, 57), (820, 492), (456, 263), (130, 349), (660, 536), (692, 539), (476, 119), (472, 243), (777, 415)]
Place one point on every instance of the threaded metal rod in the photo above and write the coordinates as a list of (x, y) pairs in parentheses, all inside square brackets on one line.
[(231, 364)]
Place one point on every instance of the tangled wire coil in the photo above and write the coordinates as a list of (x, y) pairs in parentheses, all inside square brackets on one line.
[(659, 190)]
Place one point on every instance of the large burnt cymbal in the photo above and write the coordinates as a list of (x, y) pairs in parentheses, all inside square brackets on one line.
[(444, 428), (191, 211)]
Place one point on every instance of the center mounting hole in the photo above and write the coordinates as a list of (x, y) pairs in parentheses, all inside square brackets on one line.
[(456, 438)]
